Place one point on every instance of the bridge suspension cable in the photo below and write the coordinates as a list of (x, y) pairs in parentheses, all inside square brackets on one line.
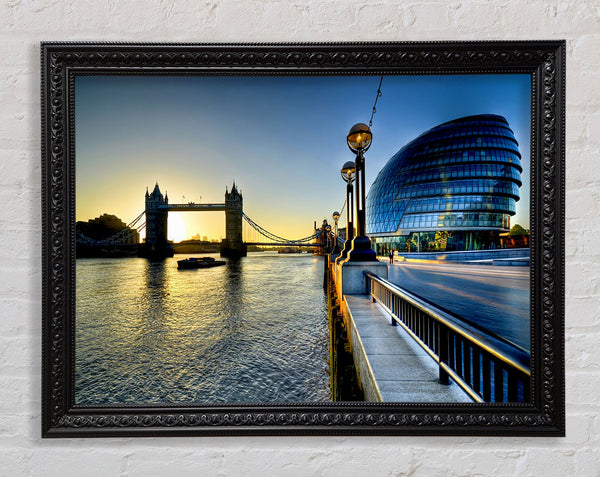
[(276, 238), (136, 220)]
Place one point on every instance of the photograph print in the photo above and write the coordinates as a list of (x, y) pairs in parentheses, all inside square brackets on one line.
[(302, 239)]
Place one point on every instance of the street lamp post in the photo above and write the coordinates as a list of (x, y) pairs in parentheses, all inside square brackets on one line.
[(359, 139), (336, 246), (348, 173), (336, 217), (328, 246)]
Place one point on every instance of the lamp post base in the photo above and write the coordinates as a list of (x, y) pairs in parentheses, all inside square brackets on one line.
[(344, 252), (351, 276), (361, 250)]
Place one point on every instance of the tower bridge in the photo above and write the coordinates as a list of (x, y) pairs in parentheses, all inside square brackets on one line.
[(158, 208), (157, 245)]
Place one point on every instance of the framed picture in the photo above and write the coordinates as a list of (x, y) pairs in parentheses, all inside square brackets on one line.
[(206, 270)]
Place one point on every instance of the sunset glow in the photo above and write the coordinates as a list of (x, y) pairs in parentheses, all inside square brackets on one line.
[(176, 227)]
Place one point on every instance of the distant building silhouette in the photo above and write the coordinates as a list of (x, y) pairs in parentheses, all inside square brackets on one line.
[(106, 226)]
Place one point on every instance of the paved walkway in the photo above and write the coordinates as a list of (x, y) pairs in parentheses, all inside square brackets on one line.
[(393, 368)]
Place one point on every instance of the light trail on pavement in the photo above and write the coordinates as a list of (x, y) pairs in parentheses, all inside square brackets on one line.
[(492, 297)]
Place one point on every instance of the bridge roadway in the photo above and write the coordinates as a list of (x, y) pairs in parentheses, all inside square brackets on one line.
[(192, 206), (492, 297)]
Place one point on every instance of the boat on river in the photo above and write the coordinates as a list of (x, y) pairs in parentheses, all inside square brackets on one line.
[(199, 262)]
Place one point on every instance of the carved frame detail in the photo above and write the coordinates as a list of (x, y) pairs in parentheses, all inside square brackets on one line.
[(543, 60)]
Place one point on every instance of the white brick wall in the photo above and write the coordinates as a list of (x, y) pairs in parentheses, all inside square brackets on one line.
[(24, 23)]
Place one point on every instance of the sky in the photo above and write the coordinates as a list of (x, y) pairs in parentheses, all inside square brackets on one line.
[(281, 139)]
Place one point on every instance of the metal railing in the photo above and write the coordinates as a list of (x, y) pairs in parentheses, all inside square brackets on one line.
[(485, 366)]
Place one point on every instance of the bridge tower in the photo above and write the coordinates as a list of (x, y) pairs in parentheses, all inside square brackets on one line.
[(157, 211), (233, 245)]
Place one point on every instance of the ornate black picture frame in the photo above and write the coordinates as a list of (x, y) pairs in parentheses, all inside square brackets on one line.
[(543, 415)]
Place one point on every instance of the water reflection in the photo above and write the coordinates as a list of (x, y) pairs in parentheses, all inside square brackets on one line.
[(232, 285), (254, 330)]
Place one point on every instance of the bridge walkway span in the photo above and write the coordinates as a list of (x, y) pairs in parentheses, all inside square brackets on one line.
[(193, 207)]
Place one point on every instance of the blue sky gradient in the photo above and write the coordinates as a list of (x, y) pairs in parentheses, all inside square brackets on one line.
[(282, 139)]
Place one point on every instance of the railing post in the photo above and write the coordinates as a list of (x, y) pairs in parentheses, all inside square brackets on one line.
[(513, 386), (498, 382), (487, 379), (444, 354)]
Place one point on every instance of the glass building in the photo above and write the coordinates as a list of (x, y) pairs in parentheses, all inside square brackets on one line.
[(453, 188)]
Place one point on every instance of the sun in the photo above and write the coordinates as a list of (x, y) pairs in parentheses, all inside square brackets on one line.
[(176, 227)]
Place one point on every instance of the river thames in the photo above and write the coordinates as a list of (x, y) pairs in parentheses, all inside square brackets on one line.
[(254, 330)]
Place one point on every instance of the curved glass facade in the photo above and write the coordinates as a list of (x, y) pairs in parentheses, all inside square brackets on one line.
[(452, 188)]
